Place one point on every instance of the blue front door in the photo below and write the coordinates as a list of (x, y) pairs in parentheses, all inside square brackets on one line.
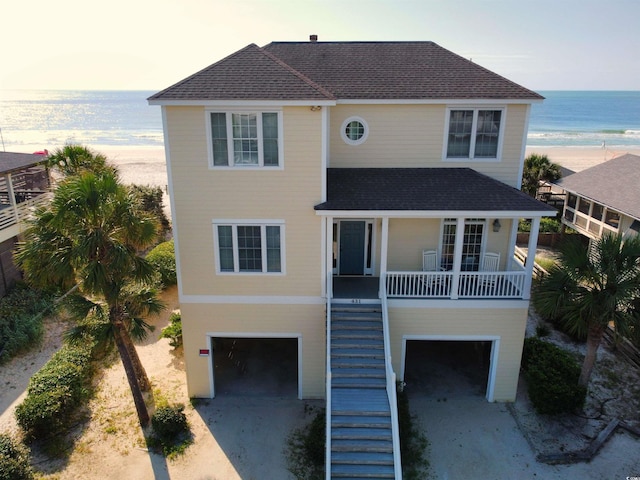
[(352, 248)]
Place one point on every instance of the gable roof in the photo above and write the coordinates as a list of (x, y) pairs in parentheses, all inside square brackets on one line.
[(10, 162), (344, 71), (423, 189), (614, 183)]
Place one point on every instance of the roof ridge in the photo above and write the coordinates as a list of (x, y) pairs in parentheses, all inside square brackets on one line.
[(298, 74), (487, 70)]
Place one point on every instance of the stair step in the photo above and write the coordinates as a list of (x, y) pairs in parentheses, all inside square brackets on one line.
[(362, 458), (362, 334), (356, 324), (356, 316), (369, 421), (349, 361), (362, 471), (359, 383), (350, 445), (337, 343), (361, 433), (376, 372), (342, 352), (356, 307)]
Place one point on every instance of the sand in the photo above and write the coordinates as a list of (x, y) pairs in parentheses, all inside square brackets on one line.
[(581, 158)]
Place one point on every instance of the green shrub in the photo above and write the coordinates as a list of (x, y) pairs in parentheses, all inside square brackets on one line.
[(413, 443), (552, 376), (170, 424), (173, 331), (151, 199), (163, 259), (21, 320), (55, 391), (14, 460), (547, 225)]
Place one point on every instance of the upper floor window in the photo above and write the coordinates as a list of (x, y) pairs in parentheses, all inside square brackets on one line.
[(474, 133), (249, 248), (354, 131), (245, 139)]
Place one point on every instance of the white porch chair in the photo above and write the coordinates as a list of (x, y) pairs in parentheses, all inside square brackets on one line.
[(430, 261), (490, 262)]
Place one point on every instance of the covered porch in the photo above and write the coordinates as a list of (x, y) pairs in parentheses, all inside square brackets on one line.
[(426, 234)]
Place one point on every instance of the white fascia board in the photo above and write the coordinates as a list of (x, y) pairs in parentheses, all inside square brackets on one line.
[(432, 214), (493, 304), (243, 103), (428, 101)]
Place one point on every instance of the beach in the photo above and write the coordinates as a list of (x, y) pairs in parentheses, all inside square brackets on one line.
[(577, 159)]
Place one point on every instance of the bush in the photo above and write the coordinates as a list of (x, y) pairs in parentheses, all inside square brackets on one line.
[(21, 320), (170, 424), (552, 376), (547, 225), (55, 391), (173, 331), (14, 460), (151, 200), (163, 259)]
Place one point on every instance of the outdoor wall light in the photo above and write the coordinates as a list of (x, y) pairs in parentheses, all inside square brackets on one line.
[(496, 225)]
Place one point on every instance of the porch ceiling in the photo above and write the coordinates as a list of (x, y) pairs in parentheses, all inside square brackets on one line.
[(423, 189)]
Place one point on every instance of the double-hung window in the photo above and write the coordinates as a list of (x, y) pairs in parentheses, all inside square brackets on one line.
[(245, 139), (249, 247), (473, 133)]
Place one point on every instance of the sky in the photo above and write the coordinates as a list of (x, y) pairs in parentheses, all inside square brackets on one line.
[(152, 44)]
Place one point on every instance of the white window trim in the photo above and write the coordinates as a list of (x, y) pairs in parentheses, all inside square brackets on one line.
[(362, 139), (476, 109), (244, 111), (249, 223), (467, 221)]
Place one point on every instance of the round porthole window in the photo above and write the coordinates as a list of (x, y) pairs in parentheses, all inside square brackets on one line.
[(354, 130)]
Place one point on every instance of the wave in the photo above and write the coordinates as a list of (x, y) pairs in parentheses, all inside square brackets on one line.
[(611, 137)]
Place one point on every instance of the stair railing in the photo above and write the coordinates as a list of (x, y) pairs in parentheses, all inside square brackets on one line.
[(391, 387), (328, 395)]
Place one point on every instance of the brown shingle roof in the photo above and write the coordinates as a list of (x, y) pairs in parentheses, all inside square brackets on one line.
[(613, 183), (345, 71), (423, 189), (248, 74)]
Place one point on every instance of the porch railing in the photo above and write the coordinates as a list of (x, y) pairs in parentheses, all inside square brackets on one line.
[(455, 285), (10, 215)]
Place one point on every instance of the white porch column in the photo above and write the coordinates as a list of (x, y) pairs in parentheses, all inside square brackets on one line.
[(328, 269), (457, 258), (531, 257), (383, 254), (12, 197), (513, 240)]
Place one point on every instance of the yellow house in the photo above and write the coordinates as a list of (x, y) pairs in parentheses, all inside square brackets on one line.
[(355, 198)]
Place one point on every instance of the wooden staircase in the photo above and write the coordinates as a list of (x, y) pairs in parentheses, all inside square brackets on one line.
[(361, 436)]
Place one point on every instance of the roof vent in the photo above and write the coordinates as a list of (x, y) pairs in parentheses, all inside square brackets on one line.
[(313, 38)]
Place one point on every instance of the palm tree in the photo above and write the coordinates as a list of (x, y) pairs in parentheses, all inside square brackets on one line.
[(592, 287), (90, 236), (73, 159), (538, 168)]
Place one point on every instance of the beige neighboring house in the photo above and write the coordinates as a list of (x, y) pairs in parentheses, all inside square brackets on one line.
[(372, 187), (24, 184), (604, 199)]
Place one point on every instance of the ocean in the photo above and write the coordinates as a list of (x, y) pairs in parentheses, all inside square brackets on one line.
[(39, 119)]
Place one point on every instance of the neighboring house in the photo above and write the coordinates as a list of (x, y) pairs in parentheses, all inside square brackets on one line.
[(311, 179), (604, 199), (24, 183)]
